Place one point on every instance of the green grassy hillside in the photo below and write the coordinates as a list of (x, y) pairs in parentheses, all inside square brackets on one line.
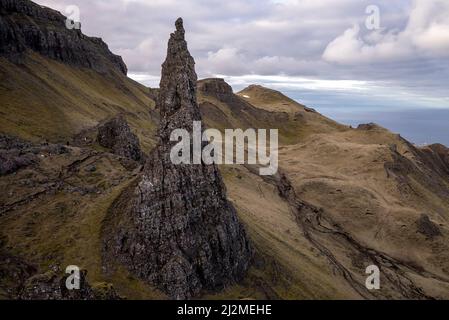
[(42, 99)]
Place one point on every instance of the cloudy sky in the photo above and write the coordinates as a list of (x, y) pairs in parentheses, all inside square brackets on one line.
[(334, 55)]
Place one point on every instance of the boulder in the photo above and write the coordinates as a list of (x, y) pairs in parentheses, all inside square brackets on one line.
[(116, 135), (426, 227)]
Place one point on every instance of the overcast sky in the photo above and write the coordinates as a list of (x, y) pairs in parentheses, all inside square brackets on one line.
[(328, 54)]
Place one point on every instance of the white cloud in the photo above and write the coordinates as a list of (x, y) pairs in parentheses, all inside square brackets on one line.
[(227, 60), (143, 55), (426, 34), (352, 48), (434, 39)]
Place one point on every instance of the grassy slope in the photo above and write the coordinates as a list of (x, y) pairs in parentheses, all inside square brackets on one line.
[(40, 100), (343, 171), (44, 99), (295, 122), (63, 227)]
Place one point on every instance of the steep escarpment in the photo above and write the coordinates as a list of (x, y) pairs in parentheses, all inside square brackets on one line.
[(176, 228), (25, 25), (56, 82)]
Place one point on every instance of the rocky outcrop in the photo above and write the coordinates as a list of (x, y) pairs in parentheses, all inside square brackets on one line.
[(11, 161), (14, 271), (175, 227), (368, 126), (52, 286), (16, 153), (216, 87), (20, 280), (426, 227), (116, 135), (25, 25)]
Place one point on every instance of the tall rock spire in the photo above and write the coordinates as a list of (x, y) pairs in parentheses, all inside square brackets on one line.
[(177, 95), (175, 228)]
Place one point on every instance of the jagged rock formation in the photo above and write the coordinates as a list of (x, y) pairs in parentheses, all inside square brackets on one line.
[(116, 135), (175, 228), (49, 36)]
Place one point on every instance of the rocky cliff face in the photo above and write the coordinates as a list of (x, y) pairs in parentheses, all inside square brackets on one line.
[(175, 228), (25, 25)]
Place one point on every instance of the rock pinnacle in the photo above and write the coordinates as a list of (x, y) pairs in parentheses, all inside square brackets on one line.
[(175, 228)]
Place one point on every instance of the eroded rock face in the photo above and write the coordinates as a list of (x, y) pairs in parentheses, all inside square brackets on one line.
[(116, 135), (176, 228), (25, 25)]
